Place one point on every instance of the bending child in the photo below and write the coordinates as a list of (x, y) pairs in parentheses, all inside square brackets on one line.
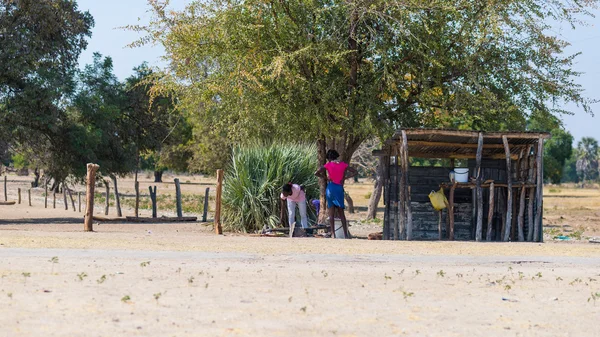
[(294, 194)]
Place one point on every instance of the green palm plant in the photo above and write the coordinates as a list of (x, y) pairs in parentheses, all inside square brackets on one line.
[(253, 182)]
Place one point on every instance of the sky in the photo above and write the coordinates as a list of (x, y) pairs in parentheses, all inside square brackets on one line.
[(111, 41)]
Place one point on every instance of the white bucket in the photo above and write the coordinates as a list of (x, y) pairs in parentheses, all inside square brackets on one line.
[(339, 229), (461, 175)]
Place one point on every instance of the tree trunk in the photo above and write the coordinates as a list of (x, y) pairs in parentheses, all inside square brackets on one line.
[(376, 195), (117, 199), (36, 179), (158, 176), (107, 204)]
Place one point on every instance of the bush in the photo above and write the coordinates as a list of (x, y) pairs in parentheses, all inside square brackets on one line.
[(253, 181)]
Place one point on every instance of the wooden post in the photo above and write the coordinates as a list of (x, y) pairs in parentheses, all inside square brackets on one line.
[(530, 219), (117, 198), (490, 224), (400, 223), (521, 213), (451, 211), (53, 199), (406, 166), (19, 195), (72, 200), (178, 198), (64, 193), (218, 228), (478, 231), (46, 195), (5, 191), (137, 198), (509, 191), (205, 210), (107, 202), (29, 196), (79, 197), (153, 199), (90, 187), (537, 229), (440, 224), (387, 226)]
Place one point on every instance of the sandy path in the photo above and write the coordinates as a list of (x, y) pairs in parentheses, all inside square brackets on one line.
[(250, 286)]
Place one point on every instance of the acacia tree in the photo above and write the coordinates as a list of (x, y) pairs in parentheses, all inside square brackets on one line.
[(338, 72)]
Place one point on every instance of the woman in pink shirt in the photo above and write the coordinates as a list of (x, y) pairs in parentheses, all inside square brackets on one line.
[(294, 194), (336, 172)]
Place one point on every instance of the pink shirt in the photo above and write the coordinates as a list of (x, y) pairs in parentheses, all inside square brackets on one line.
[(297, 195), (336, 171)]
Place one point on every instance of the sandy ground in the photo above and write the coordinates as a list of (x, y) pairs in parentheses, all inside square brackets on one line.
[(181, 280)]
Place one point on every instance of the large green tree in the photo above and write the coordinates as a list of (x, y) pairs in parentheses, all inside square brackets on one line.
[(587, 159), (338, 72), (40, 43)]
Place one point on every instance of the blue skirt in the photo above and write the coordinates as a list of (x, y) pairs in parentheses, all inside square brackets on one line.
[(335, 195)]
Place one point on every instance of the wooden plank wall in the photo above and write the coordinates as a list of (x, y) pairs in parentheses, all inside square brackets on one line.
[(423, 180)]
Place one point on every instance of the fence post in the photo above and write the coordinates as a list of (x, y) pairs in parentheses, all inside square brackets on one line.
[(137, 198), (5, 192), (218, 228), (178, 198), (65, 197), (19, 195), (91, 185), (53, 199), (153, 199), (46, 194), (29, 196), (205, 210)]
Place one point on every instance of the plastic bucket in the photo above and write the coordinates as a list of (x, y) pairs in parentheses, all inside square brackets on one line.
[(339, 229), (461, 175)]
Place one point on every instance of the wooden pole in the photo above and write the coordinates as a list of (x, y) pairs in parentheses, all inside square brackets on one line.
[(387, 226), (178, 198), (137, 198), (90, 186), (537, 229), (79, 197), (521, 213), (530, 218), (107, 202), (490, 223), (117, 198), (440, 224), (5, 190), (29, 196), (400, 223), (46, 195), (509, 191), (19, 195), (478, 232), (64, 193), (218, 227), (406, 166), (72, 200), (53, 199), (153, 199), (451, 211), (205, 210)]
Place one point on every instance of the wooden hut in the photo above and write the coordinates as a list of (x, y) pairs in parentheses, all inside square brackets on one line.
[(501, 201)]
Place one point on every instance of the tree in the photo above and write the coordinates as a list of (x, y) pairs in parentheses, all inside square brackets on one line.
[(40, 43), (159, 131), (339, 72), (587, 159), (558, 149)]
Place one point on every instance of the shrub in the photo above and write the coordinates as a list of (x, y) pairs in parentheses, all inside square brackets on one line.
[(253, 181)]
